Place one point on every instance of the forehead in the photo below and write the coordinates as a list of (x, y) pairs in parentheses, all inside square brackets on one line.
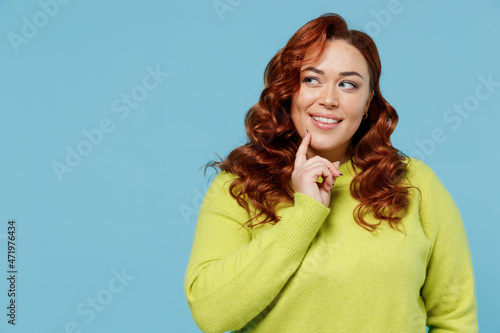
[(339, 56)]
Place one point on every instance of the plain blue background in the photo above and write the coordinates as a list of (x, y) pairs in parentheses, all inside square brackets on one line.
[(129, 206)]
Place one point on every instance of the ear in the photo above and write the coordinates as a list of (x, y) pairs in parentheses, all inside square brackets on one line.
[(368, 102)]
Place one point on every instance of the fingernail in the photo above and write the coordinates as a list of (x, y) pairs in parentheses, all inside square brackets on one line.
[(307, 131)]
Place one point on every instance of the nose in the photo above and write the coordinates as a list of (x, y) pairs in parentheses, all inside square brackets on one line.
[(328, 97)]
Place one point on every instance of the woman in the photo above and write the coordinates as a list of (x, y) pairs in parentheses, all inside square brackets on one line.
[(318, 224)]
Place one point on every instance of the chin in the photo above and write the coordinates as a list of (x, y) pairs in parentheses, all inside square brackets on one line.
[(323, 145)]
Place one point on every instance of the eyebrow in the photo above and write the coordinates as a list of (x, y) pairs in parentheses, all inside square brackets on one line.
[(319, 71)]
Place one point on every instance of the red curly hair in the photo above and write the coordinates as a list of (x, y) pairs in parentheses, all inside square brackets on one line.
[(265, 164)]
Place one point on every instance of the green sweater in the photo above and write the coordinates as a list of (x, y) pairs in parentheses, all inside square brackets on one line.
[(318, 271)]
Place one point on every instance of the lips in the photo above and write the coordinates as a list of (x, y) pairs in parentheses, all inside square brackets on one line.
[(325, 121)]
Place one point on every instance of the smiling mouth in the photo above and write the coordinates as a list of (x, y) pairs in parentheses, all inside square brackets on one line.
[(326, 120)]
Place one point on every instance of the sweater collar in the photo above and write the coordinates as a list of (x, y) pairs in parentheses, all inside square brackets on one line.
[(348, 174)]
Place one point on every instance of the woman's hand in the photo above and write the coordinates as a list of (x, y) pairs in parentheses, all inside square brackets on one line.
[(306, 172)]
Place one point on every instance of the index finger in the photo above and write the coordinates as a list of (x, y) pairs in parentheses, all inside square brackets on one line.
[(300, 157)]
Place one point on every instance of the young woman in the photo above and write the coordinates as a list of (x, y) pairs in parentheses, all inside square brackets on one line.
[(318, 224)]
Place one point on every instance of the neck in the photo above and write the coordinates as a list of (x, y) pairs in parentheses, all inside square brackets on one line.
[(330, 156)]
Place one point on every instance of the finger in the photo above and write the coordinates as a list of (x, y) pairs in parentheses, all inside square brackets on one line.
[(320, 169), (328, 183), (335, 172), (331, 176), (300, 157), (334, 167), (316, 159), (327, 186)]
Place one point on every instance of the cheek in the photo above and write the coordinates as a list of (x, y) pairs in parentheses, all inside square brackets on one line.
[(297, 109), (300, 104), (355, 108), (295, 113)]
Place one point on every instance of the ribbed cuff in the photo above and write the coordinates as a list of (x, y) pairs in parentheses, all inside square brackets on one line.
[(301, 222)]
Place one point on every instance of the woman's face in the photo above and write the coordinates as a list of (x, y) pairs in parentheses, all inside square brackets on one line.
[(333, 97)]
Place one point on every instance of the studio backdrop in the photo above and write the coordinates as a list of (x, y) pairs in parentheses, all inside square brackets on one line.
[(110, 109)]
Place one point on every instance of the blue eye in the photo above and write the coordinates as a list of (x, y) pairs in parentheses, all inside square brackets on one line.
[(348, 85)]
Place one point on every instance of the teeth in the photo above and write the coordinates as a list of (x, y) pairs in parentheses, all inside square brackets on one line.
[(326, 120)]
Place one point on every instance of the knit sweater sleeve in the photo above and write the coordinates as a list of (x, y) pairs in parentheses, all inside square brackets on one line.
[(231, 277), (449, 291)]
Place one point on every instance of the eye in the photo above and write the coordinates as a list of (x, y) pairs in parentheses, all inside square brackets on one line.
[(348, 85), (311, 80)]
